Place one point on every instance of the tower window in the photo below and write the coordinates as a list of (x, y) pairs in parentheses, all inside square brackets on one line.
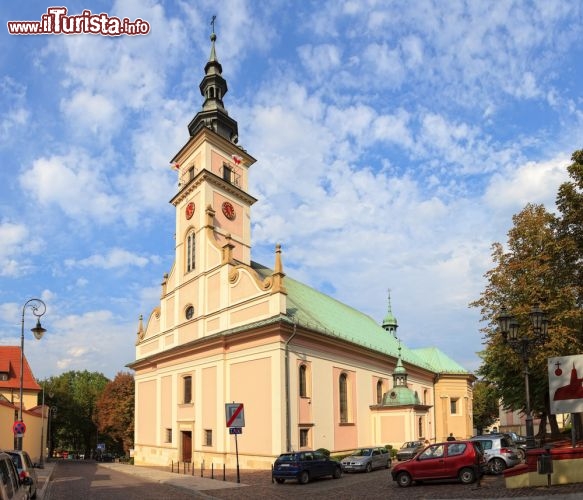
[(453, 406), (191, 173), (190, 252), (379, 392), (227, 173)]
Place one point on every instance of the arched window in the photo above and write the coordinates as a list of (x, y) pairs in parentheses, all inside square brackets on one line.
[(303, 385), (190, 252), (343, 395), (379, 392), (420, 430)]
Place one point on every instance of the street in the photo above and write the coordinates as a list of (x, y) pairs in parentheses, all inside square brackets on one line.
[(88, 480)]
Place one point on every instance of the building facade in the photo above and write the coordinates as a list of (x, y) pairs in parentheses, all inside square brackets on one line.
[(311, 372), (34, 439)]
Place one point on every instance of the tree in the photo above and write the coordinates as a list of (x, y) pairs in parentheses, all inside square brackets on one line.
[(486, 405), (73, 396), (532, 271), (115, 411), (570, 231)]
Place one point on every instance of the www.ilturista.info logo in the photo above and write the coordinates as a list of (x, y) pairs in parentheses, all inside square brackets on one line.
[(57, 22)]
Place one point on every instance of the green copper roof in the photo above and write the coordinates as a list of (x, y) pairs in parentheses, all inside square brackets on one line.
[(442, 362), (323, 313), (399, 396)]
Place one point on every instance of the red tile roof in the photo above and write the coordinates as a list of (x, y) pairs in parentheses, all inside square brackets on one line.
[(10, 363)]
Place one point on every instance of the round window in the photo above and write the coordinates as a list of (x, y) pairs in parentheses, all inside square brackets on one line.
[(189, 312)]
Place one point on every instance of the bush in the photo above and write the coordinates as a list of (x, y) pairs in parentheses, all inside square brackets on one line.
[(324, 451)]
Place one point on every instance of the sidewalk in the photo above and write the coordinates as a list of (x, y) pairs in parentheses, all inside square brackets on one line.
[(193, 483)]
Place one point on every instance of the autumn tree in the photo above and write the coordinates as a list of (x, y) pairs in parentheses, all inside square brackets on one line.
[(486, 405), (115, 411), (530, 272)]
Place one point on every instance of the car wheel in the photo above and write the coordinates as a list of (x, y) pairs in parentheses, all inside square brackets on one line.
[(304, 477), (368, 467), (404, 479), (467, 475), (497, 465), (279, 480), (521, 454), (337, 473)]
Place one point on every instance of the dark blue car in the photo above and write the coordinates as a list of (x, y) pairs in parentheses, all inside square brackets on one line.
[(304, 466)]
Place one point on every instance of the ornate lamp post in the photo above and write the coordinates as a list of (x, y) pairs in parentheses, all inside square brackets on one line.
[(523, 346), (38, 308)]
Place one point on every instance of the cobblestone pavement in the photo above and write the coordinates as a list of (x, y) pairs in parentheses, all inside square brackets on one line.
[(377, 484)]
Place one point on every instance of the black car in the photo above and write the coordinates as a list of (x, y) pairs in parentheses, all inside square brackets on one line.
[(304, 466)]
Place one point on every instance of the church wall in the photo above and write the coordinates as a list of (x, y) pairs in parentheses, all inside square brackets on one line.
[(453, 393)]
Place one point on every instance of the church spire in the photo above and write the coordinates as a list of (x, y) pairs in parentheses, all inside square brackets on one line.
[(390, 322), (400, 374), (213, 87)]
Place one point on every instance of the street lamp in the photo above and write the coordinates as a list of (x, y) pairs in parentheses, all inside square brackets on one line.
[(38, 308), (523, 346)]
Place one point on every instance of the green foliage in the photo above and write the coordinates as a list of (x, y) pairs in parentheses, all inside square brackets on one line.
[(72, 397), (324, 451), (486, 408)]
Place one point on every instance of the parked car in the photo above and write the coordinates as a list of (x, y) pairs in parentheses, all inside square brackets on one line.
[(304, 466), (11, 486), (520, 442), (499, 450), (409, 450), (367, 459), (25, 469), (462, 460)]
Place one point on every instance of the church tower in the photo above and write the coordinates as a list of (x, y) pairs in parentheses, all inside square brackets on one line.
[(212, 202)]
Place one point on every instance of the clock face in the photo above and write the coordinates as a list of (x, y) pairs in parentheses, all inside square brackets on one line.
[(228, 210), (189, 312), (189, 210)]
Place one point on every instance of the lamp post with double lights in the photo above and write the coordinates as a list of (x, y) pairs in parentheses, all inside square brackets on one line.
[(524, 345), (38, 308)]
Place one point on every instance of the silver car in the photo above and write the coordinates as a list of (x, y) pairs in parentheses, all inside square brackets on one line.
[(409, 450), (499, 450), (367, 459), (26, 469)]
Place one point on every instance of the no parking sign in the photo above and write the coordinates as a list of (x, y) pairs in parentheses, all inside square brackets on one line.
[(19, 428)]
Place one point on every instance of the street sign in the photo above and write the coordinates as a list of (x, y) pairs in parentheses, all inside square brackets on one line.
[(235, 430), (19, 428), (235, 415)]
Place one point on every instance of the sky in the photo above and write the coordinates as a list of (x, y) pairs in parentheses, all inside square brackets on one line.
[(394, 142)]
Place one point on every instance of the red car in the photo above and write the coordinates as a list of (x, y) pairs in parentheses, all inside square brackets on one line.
[(462, 460)]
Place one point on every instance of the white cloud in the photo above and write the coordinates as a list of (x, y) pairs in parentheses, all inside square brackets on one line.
[(531, 182), (115, 258)]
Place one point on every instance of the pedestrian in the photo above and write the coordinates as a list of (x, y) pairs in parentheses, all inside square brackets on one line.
[(451, 437)]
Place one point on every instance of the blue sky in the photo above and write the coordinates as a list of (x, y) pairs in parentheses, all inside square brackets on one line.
[(395, 140)]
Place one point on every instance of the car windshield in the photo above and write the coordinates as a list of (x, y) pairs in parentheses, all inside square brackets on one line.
[(288, 457), (363, 452), (17, 460), (410, 444)]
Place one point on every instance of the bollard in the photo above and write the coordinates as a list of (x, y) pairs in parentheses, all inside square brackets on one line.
[(201, 468), (212, 471), (224, 474)]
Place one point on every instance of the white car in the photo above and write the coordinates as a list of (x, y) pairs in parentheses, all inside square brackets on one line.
[(366, 459)]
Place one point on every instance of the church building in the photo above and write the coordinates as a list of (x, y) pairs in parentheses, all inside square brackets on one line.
[(309, 371)]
